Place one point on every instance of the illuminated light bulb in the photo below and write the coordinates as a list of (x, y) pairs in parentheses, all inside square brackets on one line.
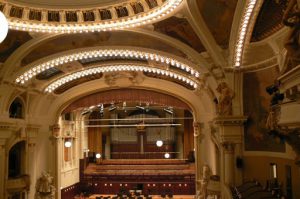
[(159, 143), (167, 155), (68, 144), (98, 155)]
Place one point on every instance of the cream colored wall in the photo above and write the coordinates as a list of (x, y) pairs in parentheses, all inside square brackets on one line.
[(258, 167)]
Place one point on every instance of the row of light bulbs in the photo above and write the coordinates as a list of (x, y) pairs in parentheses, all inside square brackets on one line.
[(102, 69), (128, 22), (242, 33), (35, 70)]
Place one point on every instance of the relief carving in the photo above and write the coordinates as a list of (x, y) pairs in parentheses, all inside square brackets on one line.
[(133, 77), (44, 188), (202, 194), (224, 102)]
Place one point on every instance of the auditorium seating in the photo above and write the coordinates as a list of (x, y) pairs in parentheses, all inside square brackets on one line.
[(141, 167), (252, 190)]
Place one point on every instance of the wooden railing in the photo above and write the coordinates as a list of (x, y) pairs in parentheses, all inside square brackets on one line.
[(143, 155)]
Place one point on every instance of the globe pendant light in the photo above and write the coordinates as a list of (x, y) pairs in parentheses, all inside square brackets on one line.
[(68, 144), (3, 27)]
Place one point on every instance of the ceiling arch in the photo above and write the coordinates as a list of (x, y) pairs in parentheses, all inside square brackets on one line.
[(116, 16), (128, 95), (200, 102), (108, 52)]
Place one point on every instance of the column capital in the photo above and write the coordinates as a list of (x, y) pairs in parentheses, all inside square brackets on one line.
[(2, 143), (230, 128), (228, 147), (197, 129), (32, 130), (55, 130)]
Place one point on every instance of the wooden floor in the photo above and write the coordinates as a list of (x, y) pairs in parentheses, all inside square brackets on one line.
[(153, 196)]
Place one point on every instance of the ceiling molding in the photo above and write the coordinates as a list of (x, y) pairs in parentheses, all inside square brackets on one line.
[(206, 37)]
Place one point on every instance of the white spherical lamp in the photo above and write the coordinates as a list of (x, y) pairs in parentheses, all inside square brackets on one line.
[(98, 155), (159, 143), (68, 144), (3, 27), (167, 155)]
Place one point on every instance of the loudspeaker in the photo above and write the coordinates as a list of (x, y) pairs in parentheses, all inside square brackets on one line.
[(239, 163)]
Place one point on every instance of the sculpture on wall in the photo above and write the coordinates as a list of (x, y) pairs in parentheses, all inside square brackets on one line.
[(202, 194), (224, 102), (291, 18), (44, 188)]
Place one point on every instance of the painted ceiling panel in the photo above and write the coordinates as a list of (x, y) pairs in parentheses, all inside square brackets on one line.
[(269, 19), (68, 42), (13, 41), (179, 28), (218, 15)]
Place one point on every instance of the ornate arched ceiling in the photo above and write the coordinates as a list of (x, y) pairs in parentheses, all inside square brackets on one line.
[(207, 36), (65, 3)]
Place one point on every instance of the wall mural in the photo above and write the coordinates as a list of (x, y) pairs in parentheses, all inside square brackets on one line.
[(218, 15), (179, 28), (256, 107), (269, 19)]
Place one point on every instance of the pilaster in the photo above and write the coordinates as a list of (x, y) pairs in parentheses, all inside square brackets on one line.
[(197, 153), (230, 136), (56, 137), (32, 133), (2, 167)]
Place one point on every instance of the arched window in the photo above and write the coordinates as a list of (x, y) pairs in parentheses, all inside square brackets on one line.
[(16, 109), (16, 160)]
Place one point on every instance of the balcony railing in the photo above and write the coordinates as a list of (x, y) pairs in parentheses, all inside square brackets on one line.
[(20, 183)]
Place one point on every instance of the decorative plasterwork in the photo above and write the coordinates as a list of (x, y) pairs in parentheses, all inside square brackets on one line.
[(268, 63), (231, 120), (70, 56), (291, 78), (6, 126), (245, 30), (133, 76), (118, 68), (112, 19)]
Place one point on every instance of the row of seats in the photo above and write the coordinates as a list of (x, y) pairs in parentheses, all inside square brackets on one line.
[(252, 190)]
